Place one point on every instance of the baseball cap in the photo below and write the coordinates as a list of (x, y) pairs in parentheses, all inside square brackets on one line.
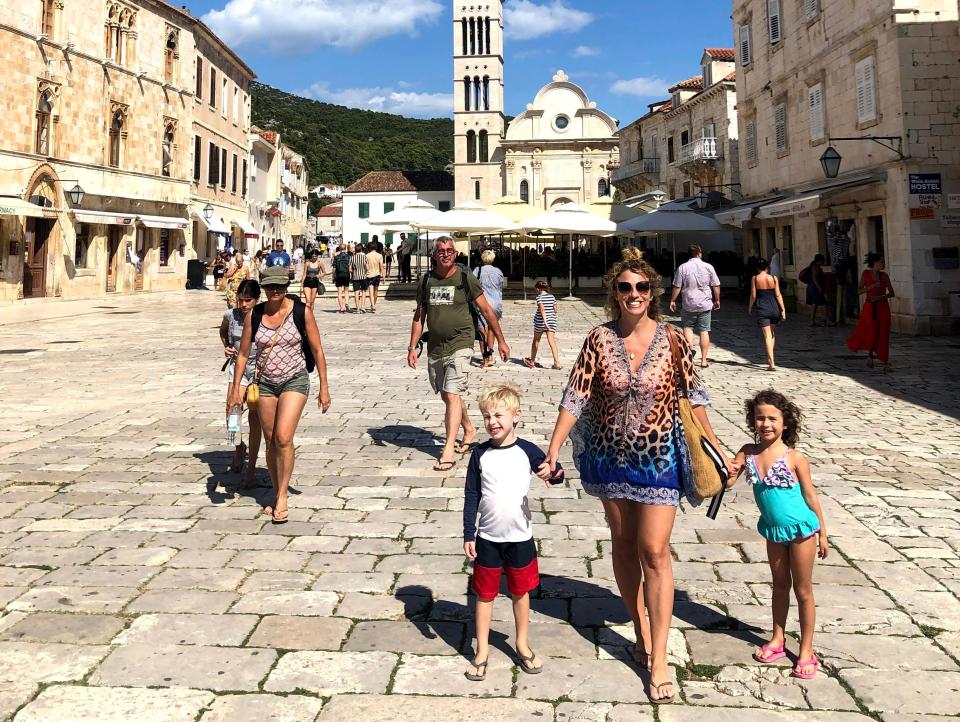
[(275, 276)]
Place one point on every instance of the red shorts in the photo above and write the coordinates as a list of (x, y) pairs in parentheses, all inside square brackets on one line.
[(518, 558)]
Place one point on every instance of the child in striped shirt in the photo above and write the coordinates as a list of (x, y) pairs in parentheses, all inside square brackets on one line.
[(544, 322)]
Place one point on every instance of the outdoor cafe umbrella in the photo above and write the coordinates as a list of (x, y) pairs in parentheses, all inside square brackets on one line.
[(402, 220), (471, 219), (669, 220), (514, 209), (572, 219)]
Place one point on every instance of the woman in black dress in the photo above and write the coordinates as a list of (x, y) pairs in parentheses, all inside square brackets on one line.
[(765, 298)]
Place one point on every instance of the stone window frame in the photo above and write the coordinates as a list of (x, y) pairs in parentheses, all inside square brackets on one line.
[(781, 102), (117, 135), (51, 93), (120, 33), (861, 53), (168, 147), (812, 80), (171, 54), (745, 22)]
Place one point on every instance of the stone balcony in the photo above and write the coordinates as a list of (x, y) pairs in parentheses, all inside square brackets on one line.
[(648, 167), (701, 149)]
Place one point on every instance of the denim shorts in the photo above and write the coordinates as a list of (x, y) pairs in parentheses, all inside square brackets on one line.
[(699, 321), (299, 383)]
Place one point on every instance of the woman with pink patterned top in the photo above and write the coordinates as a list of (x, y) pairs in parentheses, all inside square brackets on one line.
[(288, 348)]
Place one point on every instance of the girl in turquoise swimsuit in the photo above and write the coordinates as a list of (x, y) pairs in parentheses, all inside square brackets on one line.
[(790, 520)]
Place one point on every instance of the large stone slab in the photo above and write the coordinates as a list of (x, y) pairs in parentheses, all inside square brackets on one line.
[(290, 603), (927, 693), (64, 628), (29, 663), (443, 676), (603, 712), (263, 708), (217, 668), (300, 633), (115, 704), (329, 673), (227, 630), (107, 600), (874, 651), (410, 637), (380, 708), (584, 681)]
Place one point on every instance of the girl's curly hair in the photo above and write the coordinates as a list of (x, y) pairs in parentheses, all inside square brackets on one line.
[(792, 416)]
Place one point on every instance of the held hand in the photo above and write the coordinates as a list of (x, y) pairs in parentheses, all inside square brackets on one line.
[(543, 473), (229, 351), (323, 399), (504, 351), (823, 546), (412, 359), (470, 549)]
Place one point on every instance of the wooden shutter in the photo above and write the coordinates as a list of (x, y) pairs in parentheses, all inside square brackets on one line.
[(815, 102), (866, 90), (774, 21), (780, 126), (750, 138), (746, 53), (810, 9)]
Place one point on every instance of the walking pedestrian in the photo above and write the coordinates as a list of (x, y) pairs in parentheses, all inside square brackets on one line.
[(766, 300), (388, 260), (791, 521), (310, 280), (815, 279), (376, 271), (279, 257), (444, 301), (699, 287), (288, 348), (341, 277), (406, 250), (236, 272), (492, 281), (496, 488), (621, 406), (231, 334), (544, 322), (358, 277), (872, 333)]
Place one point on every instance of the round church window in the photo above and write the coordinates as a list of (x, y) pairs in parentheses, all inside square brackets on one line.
[(561, 122)]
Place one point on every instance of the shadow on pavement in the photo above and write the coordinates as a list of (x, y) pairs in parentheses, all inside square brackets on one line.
[(219, 463), (406, 437)]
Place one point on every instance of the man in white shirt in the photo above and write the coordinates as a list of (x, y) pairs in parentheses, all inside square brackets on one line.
[(700, 286)]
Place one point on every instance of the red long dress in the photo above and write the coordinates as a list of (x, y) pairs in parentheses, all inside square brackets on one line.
[(873, 330)]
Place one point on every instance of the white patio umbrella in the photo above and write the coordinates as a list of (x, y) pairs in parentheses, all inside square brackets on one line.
[(470, 218), (402, 220), (572, 219), (671, 221)]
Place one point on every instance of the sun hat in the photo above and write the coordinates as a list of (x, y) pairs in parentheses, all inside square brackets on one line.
[(275, 276)]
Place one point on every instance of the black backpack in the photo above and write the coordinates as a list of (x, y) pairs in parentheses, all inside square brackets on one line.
[(474, 312), (299, 320), (341, 264)]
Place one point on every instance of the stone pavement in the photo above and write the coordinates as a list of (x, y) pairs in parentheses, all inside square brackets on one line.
[(137, 583)]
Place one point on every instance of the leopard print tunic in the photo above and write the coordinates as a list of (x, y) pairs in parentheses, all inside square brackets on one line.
[(628, 439)]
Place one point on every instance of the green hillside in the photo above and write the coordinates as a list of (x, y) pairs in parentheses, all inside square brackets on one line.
[(342, 144)]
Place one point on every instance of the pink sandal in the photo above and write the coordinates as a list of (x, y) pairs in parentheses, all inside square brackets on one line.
[(801, 663), (769, 654)]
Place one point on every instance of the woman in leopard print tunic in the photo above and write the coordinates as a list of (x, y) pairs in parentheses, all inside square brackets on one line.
[(620, 409)]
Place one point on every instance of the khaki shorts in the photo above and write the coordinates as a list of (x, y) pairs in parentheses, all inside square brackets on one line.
[(450, 373)]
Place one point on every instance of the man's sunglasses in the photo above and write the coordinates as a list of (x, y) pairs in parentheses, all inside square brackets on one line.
[(446, 251), (626, 287)]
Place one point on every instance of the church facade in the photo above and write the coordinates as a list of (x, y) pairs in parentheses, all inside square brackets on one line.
[(562, 148)]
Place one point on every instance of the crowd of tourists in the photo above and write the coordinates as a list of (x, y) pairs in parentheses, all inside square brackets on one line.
[(634, 405)]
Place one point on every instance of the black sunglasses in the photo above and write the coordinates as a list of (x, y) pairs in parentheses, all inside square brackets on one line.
[(626, 287), (446, 251)]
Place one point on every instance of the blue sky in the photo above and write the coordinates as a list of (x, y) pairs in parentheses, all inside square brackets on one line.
[(395, 55)]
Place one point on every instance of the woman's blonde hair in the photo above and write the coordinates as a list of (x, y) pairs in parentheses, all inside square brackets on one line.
[(488, 256), (632, 262)]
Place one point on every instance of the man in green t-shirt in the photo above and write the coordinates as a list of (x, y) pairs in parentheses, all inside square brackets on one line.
[(443, 303)]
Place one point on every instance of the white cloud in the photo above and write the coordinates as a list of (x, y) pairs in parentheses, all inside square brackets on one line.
[(641, 87), (385, 100), (298, 26), (585, 51), (526, 20)]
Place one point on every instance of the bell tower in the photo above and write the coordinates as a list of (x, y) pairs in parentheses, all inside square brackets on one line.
[(478, 118)]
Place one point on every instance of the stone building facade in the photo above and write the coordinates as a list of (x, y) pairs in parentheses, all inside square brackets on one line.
[(818, 74), (220, 147), (686, 142), (99, 98), (263, 207), (294, 197)]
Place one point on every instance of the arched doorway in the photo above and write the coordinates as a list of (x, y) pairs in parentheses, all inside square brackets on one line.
[(560, 202), (40, 237)]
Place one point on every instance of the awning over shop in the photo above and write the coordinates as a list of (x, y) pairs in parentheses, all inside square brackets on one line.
[(214, 225), (104, 218), (171, 223), (738, 215), (247, 228), (12, 206), (791, 206)]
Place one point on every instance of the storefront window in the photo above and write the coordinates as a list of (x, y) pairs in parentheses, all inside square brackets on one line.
[(787, 245), (81, 252), (164, 247)]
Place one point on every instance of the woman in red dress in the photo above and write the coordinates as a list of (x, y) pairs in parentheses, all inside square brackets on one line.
[(873, 330)]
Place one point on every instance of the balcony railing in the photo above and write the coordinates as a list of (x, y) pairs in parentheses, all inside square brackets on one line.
[(644, 166), (700, 149)]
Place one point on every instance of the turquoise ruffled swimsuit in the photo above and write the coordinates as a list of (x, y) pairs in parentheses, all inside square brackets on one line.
[(784, 514)]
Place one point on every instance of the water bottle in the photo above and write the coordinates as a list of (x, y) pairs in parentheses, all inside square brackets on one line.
[(233, 424)]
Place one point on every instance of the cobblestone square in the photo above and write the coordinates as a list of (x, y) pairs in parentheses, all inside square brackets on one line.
[(138, 582)]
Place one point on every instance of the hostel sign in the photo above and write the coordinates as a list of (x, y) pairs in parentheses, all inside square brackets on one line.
[(926, 194)]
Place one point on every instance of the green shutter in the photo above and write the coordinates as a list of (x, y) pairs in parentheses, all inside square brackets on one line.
[(364, 210), (388, 238), (387, 207), (364, 237), (444, 206)]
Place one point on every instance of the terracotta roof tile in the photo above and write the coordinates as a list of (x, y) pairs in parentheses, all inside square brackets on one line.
[(720, 53), (694, 83), (730, 77), (269, 136), (334, 210), (407, 180)]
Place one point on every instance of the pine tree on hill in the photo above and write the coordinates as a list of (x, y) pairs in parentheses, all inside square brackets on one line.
[(343, 144)]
